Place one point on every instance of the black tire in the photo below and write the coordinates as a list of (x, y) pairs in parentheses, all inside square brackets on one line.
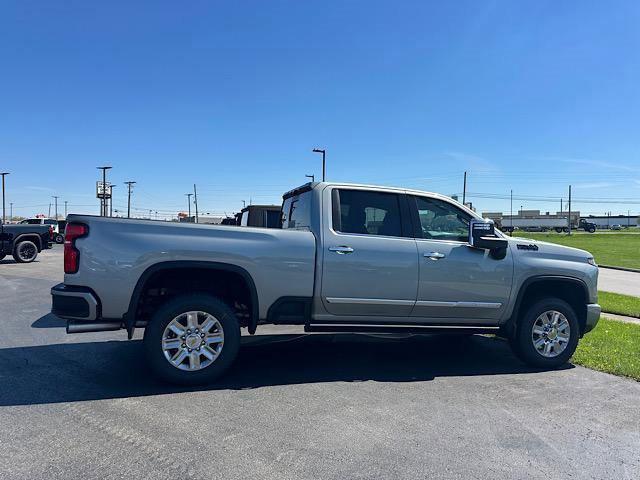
[(25, 252), (522, 342), (592, 230), (2, 255), (59, 238), (154, 332)]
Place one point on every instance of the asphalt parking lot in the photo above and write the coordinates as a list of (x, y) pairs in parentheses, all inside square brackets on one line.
[(297, 406)]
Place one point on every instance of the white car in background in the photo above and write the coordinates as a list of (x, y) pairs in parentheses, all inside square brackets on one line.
[(58, 235)]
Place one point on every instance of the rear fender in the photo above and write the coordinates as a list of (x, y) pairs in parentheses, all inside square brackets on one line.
[(130, 317)]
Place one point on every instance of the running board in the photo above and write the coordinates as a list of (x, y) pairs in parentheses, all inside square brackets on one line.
[(425, 329)]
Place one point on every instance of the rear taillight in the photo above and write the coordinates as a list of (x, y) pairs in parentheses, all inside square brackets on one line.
[(50, 232), (71, 253)]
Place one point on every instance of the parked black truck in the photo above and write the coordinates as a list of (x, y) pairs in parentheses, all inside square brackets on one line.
[(24, 242)]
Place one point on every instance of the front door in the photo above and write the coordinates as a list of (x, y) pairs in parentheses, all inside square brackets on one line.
[(370, 264), (458, 284)]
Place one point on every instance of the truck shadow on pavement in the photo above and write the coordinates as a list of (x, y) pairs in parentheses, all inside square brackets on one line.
[(115, 369)]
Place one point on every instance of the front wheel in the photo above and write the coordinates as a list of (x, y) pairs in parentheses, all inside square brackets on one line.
[(192, 339), (547, 335), (25, 252)]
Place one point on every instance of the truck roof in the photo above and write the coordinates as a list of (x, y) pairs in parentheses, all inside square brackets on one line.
[(320, 185)]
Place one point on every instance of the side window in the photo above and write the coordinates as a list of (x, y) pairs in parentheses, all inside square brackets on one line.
[(296, 211), (272, 218), (366, 212), (441, 220)]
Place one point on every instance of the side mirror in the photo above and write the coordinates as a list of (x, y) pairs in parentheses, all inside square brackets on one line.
[(482, 234)]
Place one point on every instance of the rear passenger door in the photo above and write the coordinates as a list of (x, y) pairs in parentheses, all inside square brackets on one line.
[(370, 262)]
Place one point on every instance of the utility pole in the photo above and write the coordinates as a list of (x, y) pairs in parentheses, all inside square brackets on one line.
[(111, 187), (511, 216), (129, 184), (11, 210), (464, 190), (49, 213), (312, 177), (4, 174), (628, 218), (195, 200), (65, 209), (244, 204), (55, 197), (103, 203), (189, 203), (569, 210), (324, 164)]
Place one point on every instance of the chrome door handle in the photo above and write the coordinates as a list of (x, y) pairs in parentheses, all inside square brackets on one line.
[(341, 250), (435, 255)]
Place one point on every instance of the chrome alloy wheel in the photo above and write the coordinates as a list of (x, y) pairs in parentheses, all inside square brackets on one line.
[(193, 341), (551, 333)]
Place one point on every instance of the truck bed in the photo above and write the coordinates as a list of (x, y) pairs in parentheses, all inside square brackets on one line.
[(116, 253)]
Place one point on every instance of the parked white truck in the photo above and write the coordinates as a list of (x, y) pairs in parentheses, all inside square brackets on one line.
[(347, 258)]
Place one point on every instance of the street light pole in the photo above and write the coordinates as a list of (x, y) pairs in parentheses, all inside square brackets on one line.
[(324, 164), (129, 184), (511, 215), (111, 187), (189, 204), (195, 200), (4, 174), (55, 197), (569, 212), (464, 190)]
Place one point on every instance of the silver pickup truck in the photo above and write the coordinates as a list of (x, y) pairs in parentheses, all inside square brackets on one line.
[(348, 258)]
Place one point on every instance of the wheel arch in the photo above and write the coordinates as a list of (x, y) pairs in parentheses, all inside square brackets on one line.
[(181, 265), (570, 289), (31, 237)]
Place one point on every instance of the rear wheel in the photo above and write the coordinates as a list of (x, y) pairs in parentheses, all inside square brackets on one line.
[(59, 238), (192, 339), (25, 252), (547, 335)]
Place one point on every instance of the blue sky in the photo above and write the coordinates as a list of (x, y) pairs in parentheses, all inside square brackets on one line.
[(527, 95)]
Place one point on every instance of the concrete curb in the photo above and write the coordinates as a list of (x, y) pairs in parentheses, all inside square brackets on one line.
[(620, 318), (624, 269)]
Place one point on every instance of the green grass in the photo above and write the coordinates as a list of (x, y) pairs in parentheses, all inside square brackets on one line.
[(620, 304), (618, 249), (612, 347)]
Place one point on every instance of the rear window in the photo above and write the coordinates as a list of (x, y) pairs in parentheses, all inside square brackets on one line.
[(296, 211), (32, 221)]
